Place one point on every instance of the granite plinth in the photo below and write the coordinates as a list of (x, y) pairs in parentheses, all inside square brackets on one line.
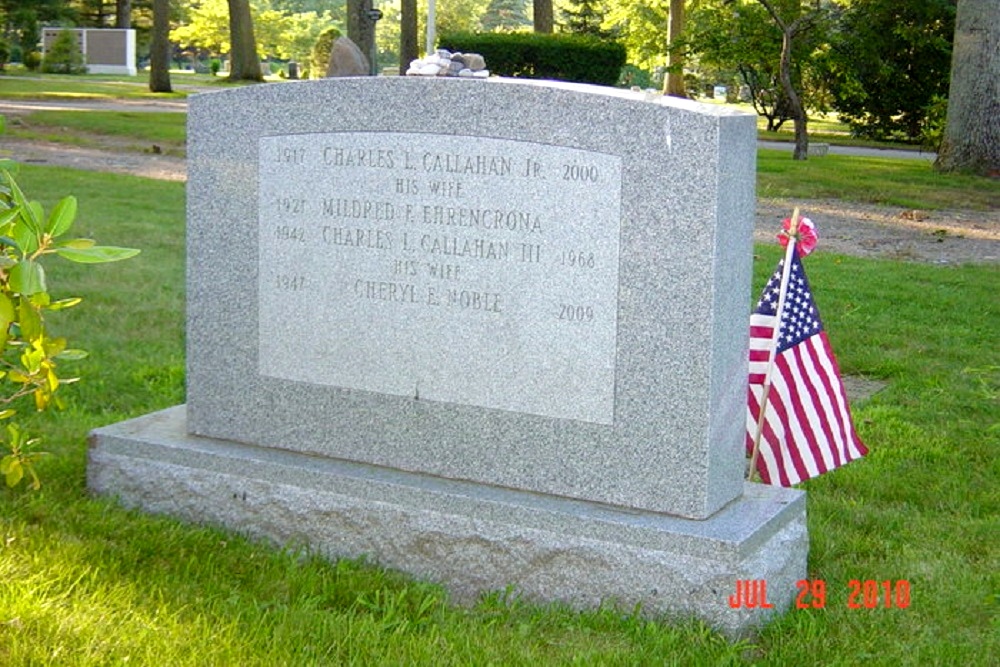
[(472, 538)]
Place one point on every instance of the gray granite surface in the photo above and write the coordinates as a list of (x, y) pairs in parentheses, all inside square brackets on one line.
[(471, 538), (490, 333), (322, 330)]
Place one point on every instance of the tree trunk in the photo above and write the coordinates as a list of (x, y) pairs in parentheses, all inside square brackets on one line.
[(543, 15), (799, 117), (159, 48), (360, 28), (409, 48), (674, 83), (972, 132), (244, 63), (123, 13)]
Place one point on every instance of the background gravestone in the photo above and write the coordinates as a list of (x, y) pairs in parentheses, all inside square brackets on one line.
[(475, 339)]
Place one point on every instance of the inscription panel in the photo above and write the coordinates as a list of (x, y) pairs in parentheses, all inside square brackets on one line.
[(466, 270)]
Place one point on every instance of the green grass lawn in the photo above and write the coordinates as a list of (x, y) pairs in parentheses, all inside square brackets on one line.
[(85, 582), (905, 183)]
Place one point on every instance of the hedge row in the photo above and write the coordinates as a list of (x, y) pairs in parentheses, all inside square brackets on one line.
[(566, 57)]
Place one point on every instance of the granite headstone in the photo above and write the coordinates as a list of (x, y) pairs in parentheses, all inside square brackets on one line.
[(492, 333)]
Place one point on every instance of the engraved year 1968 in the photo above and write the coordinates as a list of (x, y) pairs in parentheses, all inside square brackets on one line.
[(577, 259)]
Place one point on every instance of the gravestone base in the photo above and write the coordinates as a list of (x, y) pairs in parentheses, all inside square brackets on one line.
[(470, 537)]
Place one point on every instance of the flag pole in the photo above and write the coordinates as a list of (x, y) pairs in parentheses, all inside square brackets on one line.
[(793, 229)]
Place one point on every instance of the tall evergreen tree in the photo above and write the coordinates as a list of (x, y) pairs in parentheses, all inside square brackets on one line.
[(505, 15), (584, 17)]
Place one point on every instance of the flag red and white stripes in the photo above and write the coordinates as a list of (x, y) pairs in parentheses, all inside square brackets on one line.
[(807, 428)]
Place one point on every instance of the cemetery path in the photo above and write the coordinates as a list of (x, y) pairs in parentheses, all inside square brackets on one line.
[(865, 230)]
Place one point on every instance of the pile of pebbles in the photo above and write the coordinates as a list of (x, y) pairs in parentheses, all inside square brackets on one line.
[(446, 63)]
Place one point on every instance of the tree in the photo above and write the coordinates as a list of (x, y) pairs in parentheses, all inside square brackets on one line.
[(642, 27), (207, 27), (585, 17), (887, 61), (409, 42), (360, 28), (123, 14), (63, 55), (23, 19), (792, 24), (159, 49), (674, 83), (742, 40), (972, 132), (542, 16), (244, 63), (504, 15)]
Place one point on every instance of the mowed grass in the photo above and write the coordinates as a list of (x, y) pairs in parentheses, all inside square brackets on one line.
[(85, 582), (92, 87), (117, 130), (910, 183)]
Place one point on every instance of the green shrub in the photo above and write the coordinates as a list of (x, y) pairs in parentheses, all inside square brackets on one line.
[(31, 359), (64, 56), (319, 60), (566, 57), (4, 53), (32, 60), (935, 119)]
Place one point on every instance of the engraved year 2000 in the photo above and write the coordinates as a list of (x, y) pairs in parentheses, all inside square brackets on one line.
[(587, 173), (576, 313)]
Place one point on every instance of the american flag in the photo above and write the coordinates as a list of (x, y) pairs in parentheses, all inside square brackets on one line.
[(807, 429)]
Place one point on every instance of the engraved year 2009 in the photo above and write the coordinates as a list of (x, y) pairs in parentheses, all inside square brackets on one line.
[(576, 313)]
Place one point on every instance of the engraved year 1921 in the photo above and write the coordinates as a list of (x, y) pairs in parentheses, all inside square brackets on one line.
[(291, 205)]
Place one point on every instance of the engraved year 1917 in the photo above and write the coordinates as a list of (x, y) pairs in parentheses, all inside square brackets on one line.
[(289, 155)]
